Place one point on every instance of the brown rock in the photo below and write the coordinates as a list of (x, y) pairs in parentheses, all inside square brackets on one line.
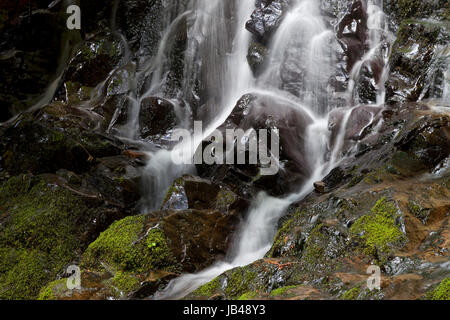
[(319, 186)]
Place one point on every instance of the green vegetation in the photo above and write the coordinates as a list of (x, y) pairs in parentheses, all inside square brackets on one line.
[(248, 296), (208, 289), (126, 247), (315, 250), (239, 282), (124, 282), (379, 231), (281, 291), (441, 292), (351, 294), (53, 290), (38, 238)]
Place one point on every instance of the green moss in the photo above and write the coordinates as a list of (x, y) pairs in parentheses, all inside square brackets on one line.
[(40, 232), (53, 290), (158, 254), (418, 211), (240, 282), (314, 251), (351, 294), (224, 199), (23, 273), (379, 232), (281, 291), (124, 283), (441, 292), (355, 180), (125, 246), (279, 238), (251, 295), (208, 289)]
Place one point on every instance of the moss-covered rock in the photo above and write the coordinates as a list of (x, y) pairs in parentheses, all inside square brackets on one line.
[(208, 289), (379, 232), (399, 10), (44, 227), (138, 255), (53, 290), (281, 291), (441, 292), (126, 246), (351, 294)]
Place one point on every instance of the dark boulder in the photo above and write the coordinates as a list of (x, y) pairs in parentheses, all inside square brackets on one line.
[(256, 56), (189, 192), (352, 33), (55, 137), (32, 54), (157, 117), (266, 18), (265, 112)]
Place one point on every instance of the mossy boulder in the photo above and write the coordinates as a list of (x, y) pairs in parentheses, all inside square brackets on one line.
[(124, 247), (140, 254), (380, 232), (44, 227), (53, 290), (441, 292), (232, 285)]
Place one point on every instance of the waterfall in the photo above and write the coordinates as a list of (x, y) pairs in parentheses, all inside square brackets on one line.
[(379, 39), (214, 49), (304, 30)]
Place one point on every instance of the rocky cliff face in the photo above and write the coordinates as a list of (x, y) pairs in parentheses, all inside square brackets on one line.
[(71, 190)]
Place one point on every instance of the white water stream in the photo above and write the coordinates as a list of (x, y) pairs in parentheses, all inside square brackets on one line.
[(304, 35)]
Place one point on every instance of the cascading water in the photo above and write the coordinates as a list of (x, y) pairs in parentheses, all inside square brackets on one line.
[(378, 43), (214, 52), (314, 47)]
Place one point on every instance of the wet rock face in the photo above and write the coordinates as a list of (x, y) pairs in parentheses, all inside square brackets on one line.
[(427, 144), (402, 10), (256, 56), (418, 63), (189, 192), (94, 61), (352, 32), (157, 116), (138, 255), (265, 112), (29, 56), (360, 123), (267, 17)]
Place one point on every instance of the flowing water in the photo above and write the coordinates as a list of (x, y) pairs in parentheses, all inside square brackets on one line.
[(216, 54), (304, 37)]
